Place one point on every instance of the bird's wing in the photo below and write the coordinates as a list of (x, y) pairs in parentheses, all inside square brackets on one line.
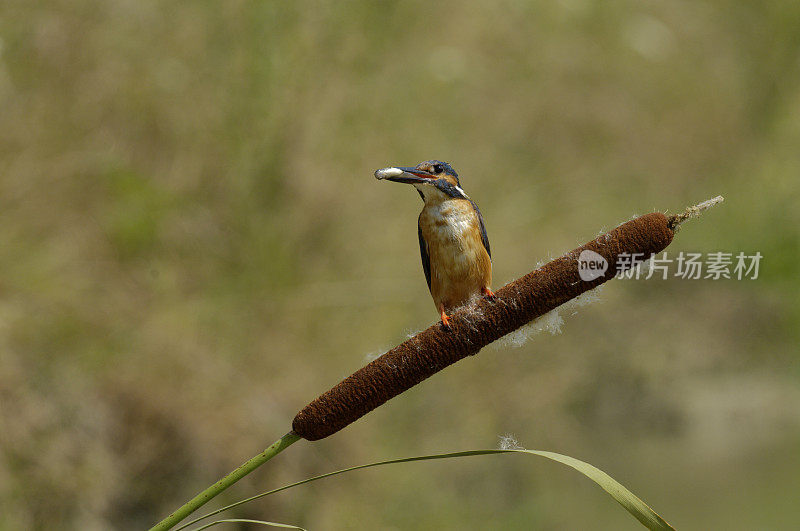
[(484, 237), (426, 258)]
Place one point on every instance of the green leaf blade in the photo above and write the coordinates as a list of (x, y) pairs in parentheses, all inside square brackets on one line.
[(632, 503)]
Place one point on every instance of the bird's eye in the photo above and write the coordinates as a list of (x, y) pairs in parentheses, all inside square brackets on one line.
[(437, 168)]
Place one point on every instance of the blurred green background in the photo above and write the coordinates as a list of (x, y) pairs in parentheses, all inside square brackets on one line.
[(193, 246)]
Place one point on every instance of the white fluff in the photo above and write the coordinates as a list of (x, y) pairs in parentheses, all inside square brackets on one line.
[(549, 322), (509, 442)]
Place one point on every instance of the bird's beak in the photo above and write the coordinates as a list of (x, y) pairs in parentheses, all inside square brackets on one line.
[(404, 174)]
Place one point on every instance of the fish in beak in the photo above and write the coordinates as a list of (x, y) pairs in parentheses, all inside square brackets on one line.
[(404, 174)]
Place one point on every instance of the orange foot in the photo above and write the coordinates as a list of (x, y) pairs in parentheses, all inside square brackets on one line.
[(445, 318), (489, 294)]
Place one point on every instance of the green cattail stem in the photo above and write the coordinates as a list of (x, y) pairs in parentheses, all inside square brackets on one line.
[(244, 469)]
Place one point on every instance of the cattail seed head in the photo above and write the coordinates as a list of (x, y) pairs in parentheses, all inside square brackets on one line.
[(473, 328)]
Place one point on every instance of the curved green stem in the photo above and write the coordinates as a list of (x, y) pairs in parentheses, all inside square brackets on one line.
[(247, 467)]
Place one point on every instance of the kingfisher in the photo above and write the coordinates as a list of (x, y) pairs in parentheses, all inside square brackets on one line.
[(453, 244)]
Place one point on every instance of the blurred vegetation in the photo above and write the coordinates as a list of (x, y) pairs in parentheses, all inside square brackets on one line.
[(192, 246)]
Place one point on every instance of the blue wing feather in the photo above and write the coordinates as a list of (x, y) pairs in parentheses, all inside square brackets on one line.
[(484, 236), (423, 252)]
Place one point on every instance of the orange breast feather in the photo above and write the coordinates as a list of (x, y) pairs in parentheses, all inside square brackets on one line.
[(459, 263)]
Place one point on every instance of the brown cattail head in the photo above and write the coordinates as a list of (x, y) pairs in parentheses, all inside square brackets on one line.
[(473, 328)]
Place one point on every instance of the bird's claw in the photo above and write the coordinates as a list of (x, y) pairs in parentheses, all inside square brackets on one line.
[(445, 321), (489, 294)]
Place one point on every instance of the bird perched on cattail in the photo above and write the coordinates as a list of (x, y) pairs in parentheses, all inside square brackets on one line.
[(452, 238)]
